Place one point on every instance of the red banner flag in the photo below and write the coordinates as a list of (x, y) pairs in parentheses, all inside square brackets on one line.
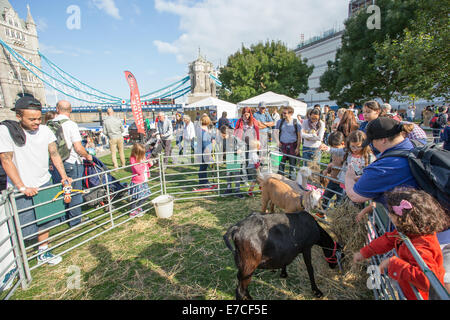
[(136, 105)]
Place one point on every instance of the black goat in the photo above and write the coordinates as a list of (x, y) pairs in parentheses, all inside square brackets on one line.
[(273, 242)]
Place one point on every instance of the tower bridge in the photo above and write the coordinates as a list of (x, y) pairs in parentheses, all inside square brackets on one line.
[(24, 70)]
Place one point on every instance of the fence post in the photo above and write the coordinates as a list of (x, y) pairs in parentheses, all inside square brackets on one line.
[(108, 194), (162, 175), (218, 173), (23, 267)]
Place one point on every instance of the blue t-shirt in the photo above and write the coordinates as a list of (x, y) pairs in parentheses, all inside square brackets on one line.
[(363, 126), (288, 134), (263, 118), (385, 175)]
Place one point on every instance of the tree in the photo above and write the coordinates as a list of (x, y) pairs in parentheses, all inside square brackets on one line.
[(354, 76), (419, 61), (264, 67)]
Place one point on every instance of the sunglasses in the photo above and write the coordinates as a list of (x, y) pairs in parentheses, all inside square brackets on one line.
[(356, 147)]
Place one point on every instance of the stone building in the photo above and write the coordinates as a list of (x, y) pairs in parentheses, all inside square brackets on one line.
[(16, 80), (202, 86)]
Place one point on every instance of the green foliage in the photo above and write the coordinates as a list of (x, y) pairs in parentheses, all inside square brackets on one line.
[(419, 61), (354, 76), (264, 67)]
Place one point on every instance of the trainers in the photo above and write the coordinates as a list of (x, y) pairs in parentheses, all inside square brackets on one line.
[(5, 285), (49, 257), (321, 216), (140, 213), (134, 214)]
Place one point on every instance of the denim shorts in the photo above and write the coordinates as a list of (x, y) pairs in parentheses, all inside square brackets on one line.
[(28, 216)]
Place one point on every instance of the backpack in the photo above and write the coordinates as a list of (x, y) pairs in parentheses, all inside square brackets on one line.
[(434, 123), (61, 144), (430, 167), (441, 120), (295, 126)]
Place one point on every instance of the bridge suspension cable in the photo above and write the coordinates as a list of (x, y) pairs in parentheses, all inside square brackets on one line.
[(66, 84)]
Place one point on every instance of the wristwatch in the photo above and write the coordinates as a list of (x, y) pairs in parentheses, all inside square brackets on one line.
[(22, 189)]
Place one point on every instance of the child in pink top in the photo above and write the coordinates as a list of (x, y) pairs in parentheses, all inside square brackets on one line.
[(139, 190)]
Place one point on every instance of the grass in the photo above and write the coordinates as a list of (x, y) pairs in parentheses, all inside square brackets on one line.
[(178, 259)]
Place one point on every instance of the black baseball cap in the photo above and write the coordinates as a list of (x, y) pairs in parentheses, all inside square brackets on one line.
[(383, 127), (27, 103)]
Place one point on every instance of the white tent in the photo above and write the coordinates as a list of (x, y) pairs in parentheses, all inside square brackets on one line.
[(276, 100), (216, 105)]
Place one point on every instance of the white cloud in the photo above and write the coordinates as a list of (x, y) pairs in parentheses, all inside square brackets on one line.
[(109, 6), (136, 9), (50, 49), (220, 27), (41, 24), (165, 47)]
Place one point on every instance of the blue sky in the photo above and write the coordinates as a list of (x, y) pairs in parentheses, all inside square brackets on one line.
[(156, 39)]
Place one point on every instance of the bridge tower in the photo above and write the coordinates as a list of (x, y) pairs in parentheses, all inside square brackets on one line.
[(15, 80), (202, 86)]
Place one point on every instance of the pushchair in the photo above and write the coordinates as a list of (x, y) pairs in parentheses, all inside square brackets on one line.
[(153, 147), (97, 183)]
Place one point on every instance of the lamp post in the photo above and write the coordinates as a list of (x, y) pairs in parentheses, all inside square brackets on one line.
[(100, 115)]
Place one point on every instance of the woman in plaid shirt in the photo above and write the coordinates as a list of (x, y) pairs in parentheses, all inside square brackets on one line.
[(413, 132)]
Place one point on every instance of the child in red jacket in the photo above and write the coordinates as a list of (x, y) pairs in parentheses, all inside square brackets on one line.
[(139, 190), (419, 216)]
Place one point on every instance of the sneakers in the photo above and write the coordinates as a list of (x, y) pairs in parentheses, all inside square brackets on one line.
[(137, 213), (48, 257), (4, 284), (321, 216)]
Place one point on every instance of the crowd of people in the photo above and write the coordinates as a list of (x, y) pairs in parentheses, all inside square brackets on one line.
[(358, 141)]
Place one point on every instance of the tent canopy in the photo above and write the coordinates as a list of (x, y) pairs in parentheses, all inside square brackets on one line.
[(216, 104), (276, 100)]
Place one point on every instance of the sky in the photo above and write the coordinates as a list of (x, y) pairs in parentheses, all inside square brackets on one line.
[(157, 39)]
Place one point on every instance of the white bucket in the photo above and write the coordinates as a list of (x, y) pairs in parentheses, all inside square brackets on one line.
[(164, 206)]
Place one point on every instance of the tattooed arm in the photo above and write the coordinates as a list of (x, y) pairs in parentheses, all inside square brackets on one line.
[(13, 174), (57, 162)]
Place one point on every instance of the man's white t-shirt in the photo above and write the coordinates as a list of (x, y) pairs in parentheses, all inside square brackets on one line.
[(71, 135), (32, 159)]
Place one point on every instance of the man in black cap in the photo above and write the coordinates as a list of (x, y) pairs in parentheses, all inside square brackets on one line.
[(385, 174), (25, 148)]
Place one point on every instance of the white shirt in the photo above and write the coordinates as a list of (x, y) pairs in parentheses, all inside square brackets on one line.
[(189, 131), (276, 117), (71, 135), (31, 160), (312, 140), (411, 112)]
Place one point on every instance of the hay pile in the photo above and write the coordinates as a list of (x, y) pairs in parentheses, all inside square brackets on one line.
[(349, 233)]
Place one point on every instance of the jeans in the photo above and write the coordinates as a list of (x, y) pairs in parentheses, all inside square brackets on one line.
[(288, 149), (74, 171), (167, 145), (310, 153), (332, 186), (203, 174)]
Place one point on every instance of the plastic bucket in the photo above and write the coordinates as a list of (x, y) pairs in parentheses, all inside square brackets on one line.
[(275, 158), (164, 206)]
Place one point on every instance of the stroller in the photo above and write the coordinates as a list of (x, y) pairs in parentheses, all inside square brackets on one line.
[(153, 147), (97, 184)]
